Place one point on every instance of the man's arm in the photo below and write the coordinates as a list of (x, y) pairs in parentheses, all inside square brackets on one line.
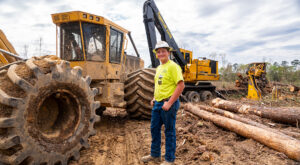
[(152, 102), (175, 96)]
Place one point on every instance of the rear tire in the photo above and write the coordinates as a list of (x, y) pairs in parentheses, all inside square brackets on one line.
[(206, 95), (47, 112), (194, 97), (139, 91)]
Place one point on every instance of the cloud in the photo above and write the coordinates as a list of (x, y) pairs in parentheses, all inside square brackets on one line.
[(292, 47), (41, 25), (280, 30), (246, 46), (244, 30), (209, 9)]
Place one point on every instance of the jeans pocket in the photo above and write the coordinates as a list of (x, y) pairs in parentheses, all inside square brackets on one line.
[(174, 108)]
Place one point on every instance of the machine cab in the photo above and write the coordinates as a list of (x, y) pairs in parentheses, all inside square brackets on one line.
[(188, 55), (91, 42), (97, 45), (256, 68)]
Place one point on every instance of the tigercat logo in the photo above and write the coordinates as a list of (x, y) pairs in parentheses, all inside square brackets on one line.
[(56, 18), (65, 17), (164, 24)]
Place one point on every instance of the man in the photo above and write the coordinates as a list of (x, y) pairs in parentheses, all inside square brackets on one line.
[(168, 87)]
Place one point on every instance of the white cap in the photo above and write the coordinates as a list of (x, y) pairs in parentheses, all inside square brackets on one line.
[(162, 44)]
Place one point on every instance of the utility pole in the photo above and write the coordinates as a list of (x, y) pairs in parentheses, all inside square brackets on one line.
[(40, 46), (25, 51)]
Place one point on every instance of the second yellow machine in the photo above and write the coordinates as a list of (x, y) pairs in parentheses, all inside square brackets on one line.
[(197, 73)]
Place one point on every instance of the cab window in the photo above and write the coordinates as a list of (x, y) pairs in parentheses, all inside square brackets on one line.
[(71, 47), (115, 48), (187, 57), (94, 41)]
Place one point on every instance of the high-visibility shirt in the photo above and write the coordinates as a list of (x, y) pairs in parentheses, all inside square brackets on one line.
[(166, 79)]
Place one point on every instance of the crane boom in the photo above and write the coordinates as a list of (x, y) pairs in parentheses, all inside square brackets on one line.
[(152, 19)]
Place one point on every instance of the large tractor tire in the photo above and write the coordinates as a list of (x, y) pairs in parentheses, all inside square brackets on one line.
[(139, 90), (47, 112)]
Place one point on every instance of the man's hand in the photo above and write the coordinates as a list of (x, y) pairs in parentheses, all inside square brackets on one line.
[(166, 106), (152, 102)]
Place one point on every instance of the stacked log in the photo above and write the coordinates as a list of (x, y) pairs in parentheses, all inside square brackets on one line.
[(282, 115), (242, 82), (277, 141), (245, 120)]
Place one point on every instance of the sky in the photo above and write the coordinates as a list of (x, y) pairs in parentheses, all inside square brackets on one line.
[(230, 31)]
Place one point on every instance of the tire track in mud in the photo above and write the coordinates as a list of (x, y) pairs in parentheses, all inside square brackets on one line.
[(117, 142), (122, 141)]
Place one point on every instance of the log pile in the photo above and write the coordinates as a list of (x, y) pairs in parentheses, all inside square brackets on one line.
[(282, 115), (286, 90), (248, 128), (244, 120), (242, 82), (293, 88)]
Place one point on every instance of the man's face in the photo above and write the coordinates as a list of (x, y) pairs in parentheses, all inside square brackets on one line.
[(162, 54)]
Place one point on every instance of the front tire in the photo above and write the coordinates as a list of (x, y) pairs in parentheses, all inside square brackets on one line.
[(47, 112)]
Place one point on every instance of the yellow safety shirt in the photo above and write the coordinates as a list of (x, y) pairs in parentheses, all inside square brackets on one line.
[(166, 79)]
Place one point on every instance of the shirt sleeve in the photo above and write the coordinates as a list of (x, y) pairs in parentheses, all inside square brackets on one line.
[(177, 74)]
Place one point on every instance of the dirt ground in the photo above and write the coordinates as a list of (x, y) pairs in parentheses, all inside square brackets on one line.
[(123, 141)]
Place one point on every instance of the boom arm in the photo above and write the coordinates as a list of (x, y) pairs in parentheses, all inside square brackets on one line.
[(152, 19)]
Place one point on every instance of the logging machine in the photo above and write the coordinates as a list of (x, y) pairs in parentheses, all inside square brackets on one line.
[(197, 73), (257, 80)]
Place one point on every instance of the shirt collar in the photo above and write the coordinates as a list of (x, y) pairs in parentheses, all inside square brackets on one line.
[(166, 62)]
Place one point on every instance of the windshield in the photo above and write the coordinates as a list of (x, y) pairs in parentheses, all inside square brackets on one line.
[(94, 41), (71, 47)]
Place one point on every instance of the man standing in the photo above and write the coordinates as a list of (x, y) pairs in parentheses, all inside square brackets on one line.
[(168, 87)]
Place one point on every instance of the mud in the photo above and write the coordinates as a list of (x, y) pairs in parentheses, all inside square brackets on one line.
[(122, 141), (9, 88), (23, 71)]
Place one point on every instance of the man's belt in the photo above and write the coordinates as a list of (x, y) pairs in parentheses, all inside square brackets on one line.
[(166, 99)]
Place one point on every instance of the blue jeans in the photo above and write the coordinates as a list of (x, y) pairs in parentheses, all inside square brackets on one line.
[(168, 118)]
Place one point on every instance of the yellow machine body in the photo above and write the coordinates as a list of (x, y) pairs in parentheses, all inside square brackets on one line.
[(199, 69), (98, 46), (254, 93), (255, 72), (7, 46)]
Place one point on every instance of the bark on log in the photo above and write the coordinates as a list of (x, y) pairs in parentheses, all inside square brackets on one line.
[(290, 147), (246, 121), (283, 115)]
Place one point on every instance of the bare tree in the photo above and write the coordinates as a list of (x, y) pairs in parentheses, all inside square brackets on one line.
[(223, 59), (39, 46), (213, 55)]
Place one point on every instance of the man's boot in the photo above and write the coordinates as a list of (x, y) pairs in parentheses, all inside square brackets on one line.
[(150, 158), (167, 163)]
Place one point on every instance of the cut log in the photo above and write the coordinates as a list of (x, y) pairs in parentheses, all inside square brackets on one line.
[(237, 83), (293, 88), (289, 146), (286, 115), (245, 120)]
